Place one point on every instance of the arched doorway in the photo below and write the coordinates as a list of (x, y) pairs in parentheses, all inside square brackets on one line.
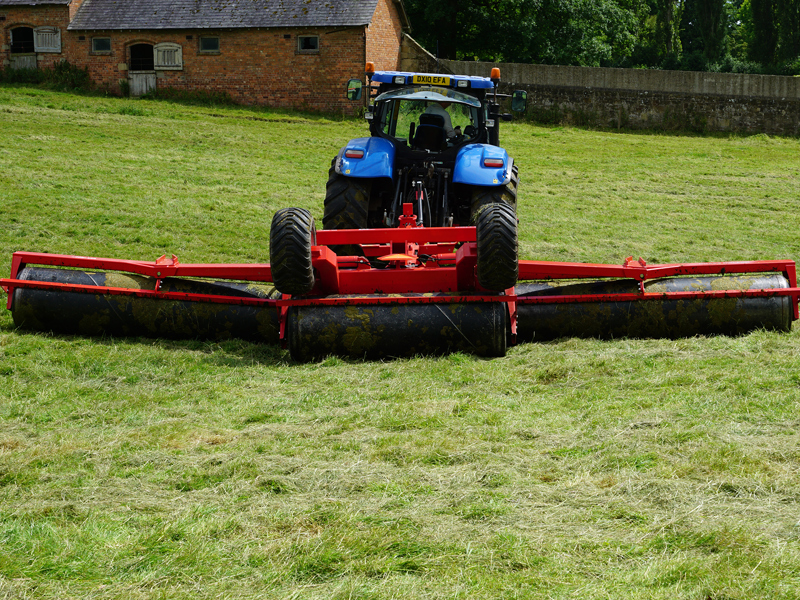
[(23, 52), (141, 69)]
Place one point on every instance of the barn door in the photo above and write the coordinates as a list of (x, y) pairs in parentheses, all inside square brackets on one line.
[(23, 55), (141, 69), (22, 61), (141, 83)]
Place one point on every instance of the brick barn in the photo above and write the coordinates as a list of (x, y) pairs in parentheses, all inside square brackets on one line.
[(289, 53)]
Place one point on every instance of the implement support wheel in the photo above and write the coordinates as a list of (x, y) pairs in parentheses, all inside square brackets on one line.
[(290, 239), (496, 233)]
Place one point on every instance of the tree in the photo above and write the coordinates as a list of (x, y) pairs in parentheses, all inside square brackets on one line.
[(578, 32), (585, 32), (788, 17), (704, 28), (765, 31), (668, 18)]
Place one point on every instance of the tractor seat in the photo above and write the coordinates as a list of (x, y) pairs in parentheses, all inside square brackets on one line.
[(430, 137), (431, 119)]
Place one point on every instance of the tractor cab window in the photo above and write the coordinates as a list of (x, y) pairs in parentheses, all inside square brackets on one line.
[(428, 118)]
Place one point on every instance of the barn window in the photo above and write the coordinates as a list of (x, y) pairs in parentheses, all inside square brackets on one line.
[(47, 39), (168, 57), (308, 44), (101, 45), (22, 40), (209, 45), (142, 58)]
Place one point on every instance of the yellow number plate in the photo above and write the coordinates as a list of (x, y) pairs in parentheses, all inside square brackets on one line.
[(431, 79)]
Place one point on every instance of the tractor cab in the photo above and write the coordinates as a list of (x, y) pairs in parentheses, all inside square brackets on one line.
[(428, 119), (434, 141)]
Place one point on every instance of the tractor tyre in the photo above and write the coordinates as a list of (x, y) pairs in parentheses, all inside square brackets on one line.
[(291, 236), (504, 194), (346, 206), (496, 234)]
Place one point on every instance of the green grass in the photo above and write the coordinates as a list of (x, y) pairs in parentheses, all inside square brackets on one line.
[(136, 468)]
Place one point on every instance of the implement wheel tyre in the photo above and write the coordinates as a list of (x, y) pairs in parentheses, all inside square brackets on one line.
[(291, 236), (503, 194), (346, 206), (496, 233)]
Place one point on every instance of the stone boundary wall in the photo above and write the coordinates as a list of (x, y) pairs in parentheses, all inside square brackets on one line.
[(650, 99), (414, 57)]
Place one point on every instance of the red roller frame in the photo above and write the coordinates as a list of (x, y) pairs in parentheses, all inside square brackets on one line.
[(430, 265)]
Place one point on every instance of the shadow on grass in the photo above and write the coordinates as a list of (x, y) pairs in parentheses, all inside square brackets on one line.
[(220, 353)]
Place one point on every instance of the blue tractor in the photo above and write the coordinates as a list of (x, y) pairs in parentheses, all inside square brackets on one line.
[(434, 143)]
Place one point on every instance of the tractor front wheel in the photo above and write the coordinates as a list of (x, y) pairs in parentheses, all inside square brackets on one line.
[(503, 194), (496, 234), (291, 236), (346, 206)]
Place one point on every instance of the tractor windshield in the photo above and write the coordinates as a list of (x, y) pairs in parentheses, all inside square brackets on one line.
[(429, 118)]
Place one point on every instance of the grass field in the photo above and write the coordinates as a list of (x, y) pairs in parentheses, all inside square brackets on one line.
[(135, 468)]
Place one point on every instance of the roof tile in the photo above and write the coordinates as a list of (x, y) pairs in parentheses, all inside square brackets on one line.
[(220, 14)]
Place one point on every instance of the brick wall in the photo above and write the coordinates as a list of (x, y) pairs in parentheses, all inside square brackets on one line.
[(74, 5), (383, 36), (254, 66), (33, 16)]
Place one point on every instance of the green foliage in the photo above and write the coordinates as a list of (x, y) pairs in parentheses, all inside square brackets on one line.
[(755, 36), (191, 97), (26, 76), (704, 28), (125, 88), (63, 76), (788, 12), (765, 31), (581, 32)]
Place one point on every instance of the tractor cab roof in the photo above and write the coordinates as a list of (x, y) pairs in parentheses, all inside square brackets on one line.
[(449, 81), (429, 93)]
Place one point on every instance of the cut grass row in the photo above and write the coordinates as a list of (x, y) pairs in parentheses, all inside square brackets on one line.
[(622, 469)]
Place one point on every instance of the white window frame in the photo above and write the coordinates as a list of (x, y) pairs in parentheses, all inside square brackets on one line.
[(47, 39), (168, 57), (301, 51)]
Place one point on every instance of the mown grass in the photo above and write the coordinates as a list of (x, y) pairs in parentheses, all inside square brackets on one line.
[(136, 468)]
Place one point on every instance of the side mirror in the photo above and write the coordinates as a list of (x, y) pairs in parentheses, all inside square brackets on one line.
[(519, 100), (354, 87)]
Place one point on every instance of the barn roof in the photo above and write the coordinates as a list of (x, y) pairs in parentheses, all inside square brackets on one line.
[(221, 14), (31, 2)]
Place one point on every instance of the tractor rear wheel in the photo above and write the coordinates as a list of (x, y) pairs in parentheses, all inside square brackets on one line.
[(504, 194), (291, 236), (496, 234), (346, 206)]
